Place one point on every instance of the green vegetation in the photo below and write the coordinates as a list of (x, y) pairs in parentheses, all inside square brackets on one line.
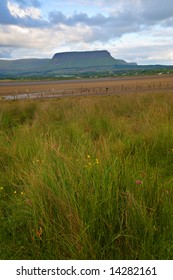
[(87, 178), (90, 72)]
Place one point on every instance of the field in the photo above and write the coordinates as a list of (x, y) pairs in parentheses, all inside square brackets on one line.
[(107, 86), (87, 177)]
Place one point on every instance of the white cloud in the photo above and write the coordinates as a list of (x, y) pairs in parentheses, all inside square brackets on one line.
[(17, 11), (151, 46), (41, 42), (144, 48)]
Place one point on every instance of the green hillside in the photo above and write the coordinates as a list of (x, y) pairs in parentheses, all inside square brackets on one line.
[(23, 64)]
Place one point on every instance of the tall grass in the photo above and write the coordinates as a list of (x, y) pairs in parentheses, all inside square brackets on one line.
[(87, 178)]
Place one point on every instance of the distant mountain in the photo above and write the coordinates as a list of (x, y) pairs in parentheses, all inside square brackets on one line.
[(65, 60), (70, 64), (85, 59)]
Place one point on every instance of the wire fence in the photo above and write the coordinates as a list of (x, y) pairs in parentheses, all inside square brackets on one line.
[(83, 91)]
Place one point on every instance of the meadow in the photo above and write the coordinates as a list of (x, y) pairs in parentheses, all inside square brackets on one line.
[(87, 178)]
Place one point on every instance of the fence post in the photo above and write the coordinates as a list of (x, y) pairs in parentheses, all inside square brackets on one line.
[(53, 91), (27, 93), (16, 94)]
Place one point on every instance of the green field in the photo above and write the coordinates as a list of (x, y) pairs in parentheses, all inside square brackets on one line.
[(87, 178)]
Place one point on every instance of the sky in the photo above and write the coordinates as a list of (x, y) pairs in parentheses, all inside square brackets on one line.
[(134, 30)]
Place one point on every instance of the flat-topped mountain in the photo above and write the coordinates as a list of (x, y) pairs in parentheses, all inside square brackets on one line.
[(86, 59), (63, 63)]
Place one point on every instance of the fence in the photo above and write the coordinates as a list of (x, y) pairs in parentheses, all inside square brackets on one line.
[(83, 91)]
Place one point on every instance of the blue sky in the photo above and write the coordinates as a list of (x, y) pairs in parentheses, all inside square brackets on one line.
[(135, 30)]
